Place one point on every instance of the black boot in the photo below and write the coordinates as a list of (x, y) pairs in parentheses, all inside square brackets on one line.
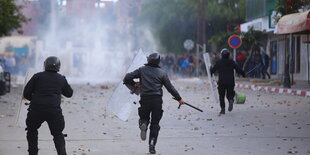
[(152, 144), (230, 107), (222, 112), (143, 127), (33, 152), (60, 144), (32, 138)]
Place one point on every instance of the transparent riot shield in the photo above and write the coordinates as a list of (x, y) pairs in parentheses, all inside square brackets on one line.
[(121, 101), (23, 105), (211, 79)]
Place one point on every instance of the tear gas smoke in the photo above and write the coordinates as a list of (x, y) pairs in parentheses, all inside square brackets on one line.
[(95, 49)]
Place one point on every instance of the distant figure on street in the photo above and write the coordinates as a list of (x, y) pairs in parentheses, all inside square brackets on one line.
[(184, 66), (10, 63), (241, 58), (226, 83), (44, 92), (265, 62), (151, 79), (257, 60), (248, 65), (170, 63)]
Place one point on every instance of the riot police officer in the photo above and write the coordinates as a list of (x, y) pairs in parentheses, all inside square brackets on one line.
[(151, 79), (44, 92), (226, 83)]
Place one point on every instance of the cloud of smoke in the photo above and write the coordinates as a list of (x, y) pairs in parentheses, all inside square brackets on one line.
[(91, 49)]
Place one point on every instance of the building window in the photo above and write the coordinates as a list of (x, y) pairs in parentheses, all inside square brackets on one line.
[(273, 57)]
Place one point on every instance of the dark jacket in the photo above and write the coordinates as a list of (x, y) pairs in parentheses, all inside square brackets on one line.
[(265, 60), (151, 81), (44, 90), (225, 68)]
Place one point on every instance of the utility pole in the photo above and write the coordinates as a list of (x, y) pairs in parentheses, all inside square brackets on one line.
[(201, 24), (201, 31), (287, 80)]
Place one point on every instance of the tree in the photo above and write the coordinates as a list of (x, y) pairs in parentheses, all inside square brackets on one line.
[(223, 20), (174, 21), (250, 38), (171, 22), (11, 17), (221, 39), (284, 7)]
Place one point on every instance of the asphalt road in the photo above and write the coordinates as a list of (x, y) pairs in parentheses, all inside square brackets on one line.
[(266, 124)]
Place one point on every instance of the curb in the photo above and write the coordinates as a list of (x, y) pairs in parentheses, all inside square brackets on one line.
[(305, 93)]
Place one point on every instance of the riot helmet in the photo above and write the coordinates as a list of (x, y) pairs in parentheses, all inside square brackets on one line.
[(153, 59), (52, 63), (225, 53)]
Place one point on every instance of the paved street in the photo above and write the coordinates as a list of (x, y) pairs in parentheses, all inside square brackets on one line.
[(267, 124)]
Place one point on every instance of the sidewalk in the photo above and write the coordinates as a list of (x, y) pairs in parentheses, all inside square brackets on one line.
[(300, 88)]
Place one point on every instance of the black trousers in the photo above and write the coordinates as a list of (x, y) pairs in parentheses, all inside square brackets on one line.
[(227, 90), (264, 72), (150, 110), (56, 124)]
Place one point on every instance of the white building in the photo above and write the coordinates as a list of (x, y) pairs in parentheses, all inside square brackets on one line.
[(260, 15)]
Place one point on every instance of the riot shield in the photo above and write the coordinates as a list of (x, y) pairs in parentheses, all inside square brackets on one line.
[(22, 109), (211, 79), (121, 101)]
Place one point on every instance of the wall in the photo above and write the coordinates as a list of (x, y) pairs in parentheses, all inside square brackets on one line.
[(304, 69), (261, 24), (17, 41)]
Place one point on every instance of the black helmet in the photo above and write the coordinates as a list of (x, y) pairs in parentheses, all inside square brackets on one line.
[(153, 59), (225, 53), (52, 63)]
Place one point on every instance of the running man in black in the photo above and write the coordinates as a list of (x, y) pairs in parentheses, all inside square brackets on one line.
[(152, 78), (226, 83)]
